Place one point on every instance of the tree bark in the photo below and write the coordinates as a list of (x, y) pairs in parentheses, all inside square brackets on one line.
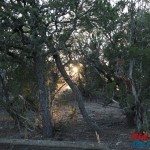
[(4, 95), (138, 106), (77, 93), (43, 98)]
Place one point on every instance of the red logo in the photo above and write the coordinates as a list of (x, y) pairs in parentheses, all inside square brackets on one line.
[(140, 136)]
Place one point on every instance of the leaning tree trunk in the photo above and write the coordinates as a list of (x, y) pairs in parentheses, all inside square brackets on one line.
[(77, 93), (43, 98)]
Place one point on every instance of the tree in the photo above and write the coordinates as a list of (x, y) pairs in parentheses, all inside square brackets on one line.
[(21, 38), (129, 52), (32, 31)]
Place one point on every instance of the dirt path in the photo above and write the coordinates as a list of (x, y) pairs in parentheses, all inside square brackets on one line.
[(115, 132), (110, 119)]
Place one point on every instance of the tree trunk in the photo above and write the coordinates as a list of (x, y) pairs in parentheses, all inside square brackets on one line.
[(77, 93), (138, 107), (43, 98), (4, 95)]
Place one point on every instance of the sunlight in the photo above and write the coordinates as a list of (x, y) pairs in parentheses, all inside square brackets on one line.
[(75, 69), (68, 87)]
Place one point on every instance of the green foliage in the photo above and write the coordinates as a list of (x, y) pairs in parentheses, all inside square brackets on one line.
[(110, 87), (91, 82)]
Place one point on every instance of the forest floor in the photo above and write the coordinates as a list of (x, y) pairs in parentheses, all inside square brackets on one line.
[(115, 132)]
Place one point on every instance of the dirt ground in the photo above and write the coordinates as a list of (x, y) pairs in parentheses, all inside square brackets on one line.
[(115, 132)]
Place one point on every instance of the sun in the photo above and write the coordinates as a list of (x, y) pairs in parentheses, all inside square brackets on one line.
[(75, 70)]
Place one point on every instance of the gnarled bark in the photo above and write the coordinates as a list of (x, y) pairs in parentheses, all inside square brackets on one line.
[(77, 93)]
